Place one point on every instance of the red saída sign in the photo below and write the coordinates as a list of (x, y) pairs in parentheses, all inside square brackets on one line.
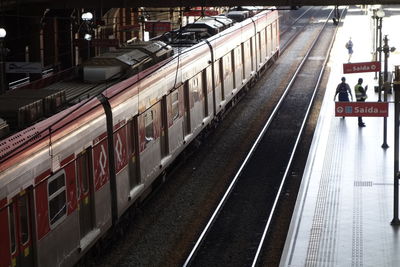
[(373, 66), (363, 109)]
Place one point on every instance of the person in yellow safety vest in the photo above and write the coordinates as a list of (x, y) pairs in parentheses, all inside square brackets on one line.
[(361, 95)]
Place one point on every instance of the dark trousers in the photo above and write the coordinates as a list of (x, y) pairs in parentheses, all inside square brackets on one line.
[(360, 121)]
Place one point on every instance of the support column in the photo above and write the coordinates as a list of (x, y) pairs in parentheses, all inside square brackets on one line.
[(396, 87), (380, 58), (3, 82)]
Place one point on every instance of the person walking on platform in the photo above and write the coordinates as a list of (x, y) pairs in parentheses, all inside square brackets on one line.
[(349, 47), (343, 89), (361, 95)]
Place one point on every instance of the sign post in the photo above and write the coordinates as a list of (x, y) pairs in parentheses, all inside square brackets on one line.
[(374, 66)]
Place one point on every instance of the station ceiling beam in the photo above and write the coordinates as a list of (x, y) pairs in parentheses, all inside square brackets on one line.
[(61, 4)]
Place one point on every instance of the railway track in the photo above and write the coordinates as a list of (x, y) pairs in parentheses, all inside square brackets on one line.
[(235, 234), (164, 229), (293, 29)]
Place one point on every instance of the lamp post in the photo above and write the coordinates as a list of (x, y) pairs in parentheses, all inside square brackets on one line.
[(142, 20), (386, 49), (87, 18), (375, 37), (88, 37), (396, 88), (3, 85), (379, 14), (386, 84)]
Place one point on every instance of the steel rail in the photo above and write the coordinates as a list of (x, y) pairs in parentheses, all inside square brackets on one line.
[(285, 45), (249, 155), (303, 125)]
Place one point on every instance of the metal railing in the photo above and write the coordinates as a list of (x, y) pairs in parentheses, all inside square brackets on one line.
[(18, 83)]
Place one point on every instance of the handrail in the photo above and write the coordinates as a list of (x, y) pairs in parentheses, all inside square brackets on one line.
[(18, 83)]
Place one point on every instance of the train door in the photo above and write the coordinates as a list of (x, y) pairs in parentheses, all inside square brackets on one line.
[(238, 67), (209, 92), (218, 97), (227, 76), (196, 99), (134, 177), (175, 111), (164, 128), (20, 231), (85, 192)]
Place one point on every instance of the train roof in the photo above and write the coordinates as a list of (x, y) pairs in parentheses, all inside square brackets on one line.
[(221, 19), (238, 16), (79, 94)]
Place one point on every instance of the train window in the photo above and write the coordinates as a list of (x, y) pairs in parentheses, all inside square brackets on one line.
[(13, 243), (217, 79), (175, 104), (251, 52), (148, 124), (227, 65), (83, 172), (196, 89), (274, 26), (57, 198), (269, 40), (24, 218), (238, 57)]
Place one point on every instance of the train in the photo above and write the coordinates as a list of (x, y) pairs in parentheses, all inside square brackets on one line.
[(68, 179)]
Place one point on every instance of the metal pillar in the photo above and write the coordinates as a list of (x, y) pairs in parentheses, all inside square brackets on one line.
[(385, 49), (396, 87), (376, 20), (380, 59), (41, 46), (2, 69), (385, 62), (88, 49)]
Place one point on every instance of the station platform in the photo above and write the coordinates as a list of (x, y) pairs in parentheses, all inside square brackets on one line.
[(344, 208)]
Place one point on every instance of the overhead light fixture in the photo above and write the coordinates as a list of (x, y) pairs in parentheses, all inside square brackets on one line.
[(88, 37), (3, 33), (380, 13), (87, 16)]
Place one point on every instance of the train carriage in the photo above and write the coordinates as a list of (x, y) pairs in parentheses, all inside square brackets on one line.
[(65, 181)]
